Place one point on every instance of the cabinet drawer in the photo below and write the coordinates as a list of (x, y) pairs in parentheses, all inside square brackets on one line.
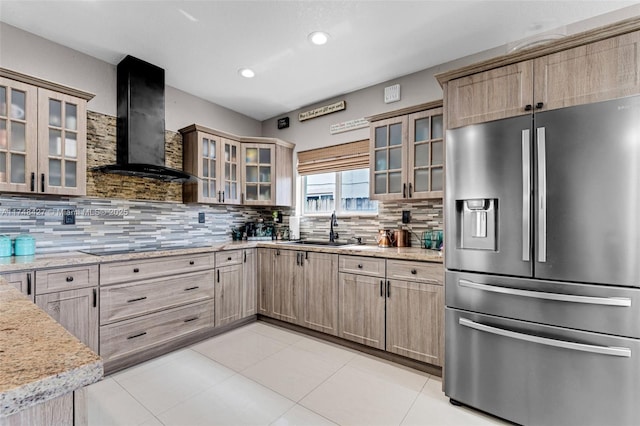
[(134, 335), (362, 265), (415, 271), (111, 273), (231, 257), (50, 280), (123, 301)]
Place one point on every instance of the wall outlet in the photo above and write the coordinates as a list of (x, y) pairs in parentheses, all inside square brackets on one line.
[(201, 217), (406, 216), (69, 217)]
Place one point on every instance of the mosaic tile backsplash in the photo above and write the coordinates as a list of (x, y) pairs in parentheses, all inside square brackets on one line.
[(116, 224), (426, 215)]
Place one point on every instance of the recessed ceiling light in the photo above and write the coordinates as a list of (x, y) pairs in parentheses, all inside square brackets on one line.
[(188, 15), (246, 72), (318, 37)]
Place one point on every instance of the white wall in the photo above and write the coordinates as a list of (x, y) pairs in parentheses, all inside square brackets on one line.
[(33, 55), (417, 88)]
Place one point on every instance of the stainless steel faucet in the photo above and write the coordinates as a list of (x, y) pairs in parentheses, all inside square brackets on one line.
[(334, 222)]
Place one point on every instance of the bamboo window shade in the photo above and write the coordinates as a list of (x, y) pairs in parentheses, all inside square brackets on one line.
[(336, 158)]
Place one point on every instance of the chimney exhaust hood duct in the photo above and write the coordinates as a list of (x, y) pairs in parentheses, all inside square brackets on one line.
[(140, 149)]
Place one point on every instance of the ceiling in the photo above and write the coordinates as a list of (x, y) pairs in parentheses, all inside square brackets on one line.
[(202, 44)]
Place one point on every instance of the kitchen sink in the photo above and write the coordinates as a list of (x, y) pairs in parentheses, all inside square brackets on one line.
[(320, 243)]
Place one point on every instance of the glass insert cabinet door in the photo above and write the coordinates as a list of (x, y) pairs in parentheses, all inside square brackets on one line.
[(258, 166), (61, 144), (208, 184), (426, 154), (388, 158), (18, 136), (230, 178)]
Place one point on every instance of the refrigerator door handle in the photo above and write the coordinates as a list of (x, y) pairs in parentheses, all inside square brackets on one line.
[(542, 196), (606, 301), (526, 195), (603, 350)]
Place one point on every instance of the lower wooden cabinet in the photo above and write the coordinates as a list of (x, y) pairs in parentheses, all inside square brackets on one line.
[(287, 286), (266, 264), (320, 300), (362, 309), (75, 310), (413, 321), (250, 283), (134, 336), (23, 281), (229, 291)]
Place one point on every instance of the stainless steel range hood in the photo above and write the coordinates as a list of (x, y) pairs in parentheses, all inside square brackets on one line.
[(140, 149)]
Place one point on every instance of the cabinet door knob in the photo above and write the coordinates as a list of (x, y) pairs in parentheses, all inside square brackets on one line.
[(229, 258), (528, 107), (539, 105), (69, 279), (413, 271), (191, 262), (359, 265), (135, 270)]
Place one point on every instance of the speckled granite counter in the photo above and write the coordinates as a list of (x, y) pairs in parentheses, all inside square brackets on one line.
[(39, 359), (53, 260)]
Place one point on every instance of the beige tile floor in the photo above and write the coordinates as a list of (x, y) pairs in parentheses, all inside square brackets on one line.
[(265, 375)]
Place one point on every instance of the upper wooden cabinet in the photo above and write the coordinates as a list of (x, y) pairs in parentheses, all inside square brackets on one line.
[(237, 170), (216, 161), (490, 95), (407, 153), (43, 132), (550, 78), (267, 172)]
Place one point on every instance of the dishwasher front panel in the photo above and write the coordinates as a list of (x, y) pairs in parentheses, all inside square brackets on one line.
[(535, 374)]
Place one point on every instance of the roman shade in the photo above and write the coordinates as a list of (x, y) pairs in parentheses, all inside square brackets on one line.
[(336, 158)]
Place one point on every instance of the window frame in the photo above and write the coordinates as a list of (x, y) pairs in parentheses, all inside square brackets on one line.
[(337, 198)]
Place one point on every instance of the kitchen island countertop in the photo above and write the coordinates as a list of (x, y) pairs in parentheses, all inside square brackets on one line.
[(39, 359)]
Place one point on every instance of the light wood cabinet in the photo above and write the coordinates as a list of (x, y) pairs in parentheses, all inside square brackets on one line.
[(235, 169), (152, 303), (216, 161), (362, 309), (320, 299), (75, 310), (267, 173), (266, 264), (287, 286), (592, 72), (414, 324), (490, 95), (407, 154), (42, 136), (249, 283), (595, 72), (23, 281), (229, 291)]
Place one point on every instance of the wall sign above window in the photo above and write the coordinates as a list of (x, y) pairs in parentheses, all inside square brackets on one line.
[(327, 109), (347, 126), (283, 122)]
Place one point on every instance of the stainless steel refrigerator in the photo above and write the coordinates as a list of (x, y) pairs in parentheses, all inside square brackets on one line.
[(542, 256)]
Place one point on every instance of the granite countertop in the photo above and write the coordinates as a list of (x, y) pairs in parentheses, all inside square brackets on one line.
[(73, 258), (39, 359)]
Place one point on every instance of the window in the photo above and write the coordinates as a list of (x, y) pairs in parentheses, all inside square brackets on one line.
[(351, 187)]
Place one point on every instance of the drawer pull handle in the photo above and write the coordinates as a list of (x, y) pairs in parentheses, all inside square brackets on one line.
[(413, 271), (359, 265), (69, 279), (136, 270), (191, 262), (137, 335), (137, 299), (229, 258), (191, 319), (191, 288)]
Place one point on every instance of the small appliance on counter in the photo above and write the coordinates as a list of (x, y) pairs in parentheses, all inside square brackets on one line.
[(5, 246), (294, 228), (24, 245), (402, 238), (385, 238)]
